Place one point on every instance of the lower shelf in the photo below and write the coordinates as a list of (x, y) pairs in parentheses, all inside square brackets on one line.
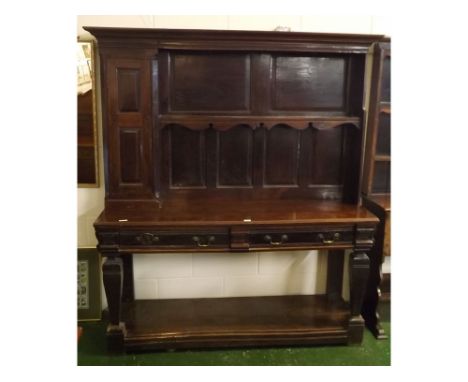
[(234, 322)]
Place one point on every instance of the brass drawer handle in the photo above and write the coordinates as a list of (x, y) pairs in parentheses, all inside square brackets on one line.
[(209, 241), (147, 238), (336, 236), (269, 240)]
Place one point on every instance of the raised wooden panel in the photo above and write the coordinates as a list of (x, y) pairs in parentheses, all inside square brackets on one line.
[(282, 145), (127, 132), (327, 156), (383, 135), (130, 154), (385, 91), (187, 157), (381, 183), (128, 89), (309, 83), (235, 156), (209, 82)]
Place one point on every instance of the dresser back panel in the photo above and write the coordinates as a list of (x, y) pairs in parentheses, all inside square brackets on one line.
[(309, 162), (200, 121), (254, 83)]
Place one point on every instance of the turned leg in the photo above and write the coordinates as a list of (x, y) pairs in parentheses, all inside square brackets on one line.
[(358, 273), (335, 275), (112, 270)]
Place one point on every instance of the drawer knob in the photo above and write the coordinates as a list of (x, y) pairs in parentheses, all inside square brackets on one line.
[(336, 236), (147, 238), (206, 243), (269, 240)]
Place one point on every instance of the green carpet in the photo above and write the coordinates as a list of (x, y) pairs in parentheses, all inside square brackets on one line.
[(372, 352)]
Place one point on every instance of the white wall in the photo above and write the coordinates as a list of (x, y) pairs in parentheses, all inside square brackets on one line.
[(220, 274)]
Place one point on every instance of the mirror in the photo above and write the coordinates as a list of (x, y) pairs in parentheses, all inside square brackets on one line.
[(86, 110)]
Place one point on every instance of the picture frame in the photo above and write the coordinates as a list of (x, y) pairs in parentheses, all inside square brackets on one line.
[(89, 284)]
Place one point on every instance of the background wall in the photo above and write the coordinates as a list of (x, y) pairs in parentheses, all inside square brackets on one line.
[(220, 274)]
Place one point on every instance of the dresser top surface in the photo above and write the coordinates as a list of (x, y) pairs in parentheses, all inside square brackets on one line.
[(215, 211)]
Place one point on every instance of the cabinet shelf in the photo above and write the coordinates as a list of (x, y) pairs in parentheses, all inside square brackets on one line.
[(385, 107), (235, 321), (382, 158), (224, 122)]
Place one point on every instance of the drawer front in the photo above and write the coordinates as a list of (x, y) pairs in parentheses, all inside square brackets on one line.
[(158, 239), (301, 237)]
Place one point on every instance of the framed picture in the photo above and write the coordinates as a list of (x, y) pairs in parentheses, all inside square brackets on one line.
[(89, 284)]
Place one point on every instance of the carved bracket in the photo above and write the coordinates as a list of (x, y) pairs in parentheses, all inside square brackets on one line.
[(226, 124), (108, 241)]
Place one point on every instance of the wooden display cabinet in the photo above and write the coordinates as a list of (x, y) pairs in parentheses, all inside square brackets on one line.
[(376, 181), (231, 141)]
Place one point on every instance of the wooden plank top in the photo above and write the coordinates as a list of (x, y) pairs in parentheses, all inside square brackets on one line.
[(216, 211)]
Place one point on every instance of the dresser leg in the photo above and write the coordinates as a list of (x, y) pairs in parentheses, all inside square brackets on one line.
[(128, 291), (112, 270), (335, 274), (371, 300), (358, 273), (372, 297)]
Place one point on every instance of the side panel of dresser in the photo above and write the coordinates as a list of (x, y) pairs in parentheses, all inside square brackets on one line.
[(127, 122), (376, 177)]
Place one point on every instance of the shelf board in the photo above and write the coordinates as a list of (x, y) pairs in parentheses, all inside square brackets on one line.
[(225, 121), (382, 158), (236, 321), (385, 107)]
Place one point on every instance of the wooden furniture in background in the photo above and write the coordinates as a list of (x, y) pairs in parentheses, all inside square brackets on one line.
[(227, 141), (376, 181), (87, 163)]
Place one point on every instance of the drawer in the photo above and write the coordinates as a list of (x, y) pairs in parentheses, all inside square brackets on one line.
[(305, 236), (166, 239)]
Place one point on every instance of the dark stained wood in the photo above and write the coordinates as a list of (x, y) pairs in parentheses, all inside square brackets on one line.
[(376, 177), (309, 83), (193, 39), (209, 82), (232, 208), (239, 321), (313, 160), (386, 80), (112, 276), (186, 159), (335, 275), (380, 205), (327, 156), (228, 141), (128, 138), (383, 135), (358, 274), (234, 157), (86, 141), (385, 287), (128, 89), (128, 288), (130, 155), (381, 181), (281, 159)]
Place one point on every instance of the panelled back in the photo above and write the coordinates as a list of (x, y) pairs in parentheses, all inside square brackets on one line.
[(245, 120), (129, 135), (276, 118)]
